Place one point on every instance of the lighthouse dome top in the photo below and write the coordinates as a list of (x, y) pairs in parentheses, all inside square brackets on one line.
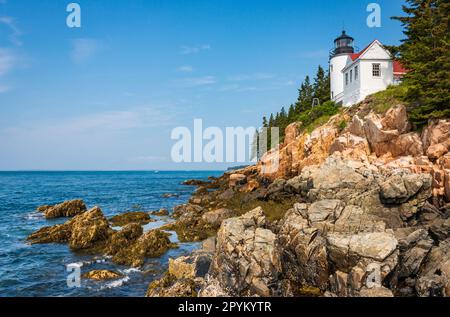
[(343, 44)]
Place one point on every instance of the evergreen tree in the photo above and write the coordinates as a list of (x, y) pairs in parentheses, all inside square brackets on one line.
[(426, 54), (271, 120), (321, 87), (306, 96)]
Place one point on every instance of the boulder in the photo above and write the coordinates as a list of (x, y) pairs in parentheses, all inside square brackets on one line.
[(237, 179), (102, 275), (373, 245), (130, 217), (246, 260), (304, 255), (68, 208), (215, 217), (190, 267), (152, 244), (325, 210), (88, 229)]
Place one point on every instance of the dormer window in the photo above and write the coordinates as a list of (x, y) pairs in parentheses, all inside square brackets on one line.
[(376, 70)]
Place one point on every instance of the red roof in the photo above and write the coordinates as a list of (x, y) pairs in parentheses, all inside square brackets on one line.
[(357, 55), (398, 68)]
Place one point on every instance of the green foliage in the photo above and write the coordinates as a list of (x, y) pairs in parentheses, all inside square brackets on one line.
[(318, 115), (381, 101), (426, 54)]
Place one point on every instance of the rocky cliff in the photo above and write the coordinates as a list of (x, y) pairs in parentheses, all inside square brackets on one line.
[(358, 207)]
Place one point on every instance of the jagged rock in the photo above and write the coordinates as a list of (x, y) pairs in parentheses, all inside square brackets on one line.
[(291, 132), (130, 217), (168, 286), (102, 275), (190, 267), (434, 277), (152, 244), (356, 127), (122, 239), (351, 145), (436, 132), (190, 226), (68, 208), (53, 234), (348, 248), (246, 260), (88, 229), (237, 179), (304, 256), (325, 210), (215, 217)]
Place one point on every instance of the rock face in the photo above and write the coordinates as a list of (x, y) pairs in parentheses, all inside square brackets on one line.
[(68, 208), (246, 260)]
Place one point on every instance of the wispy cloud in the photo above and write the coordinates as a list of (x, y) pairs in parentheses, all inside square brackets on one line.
[(186, 49), (196, 81), (94, 124), (84, 49), (254, 76), (185, 69), (15, 32)]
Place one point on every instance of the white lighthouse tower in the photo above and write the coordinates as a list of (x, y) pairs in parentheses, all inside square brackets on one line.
[(343, 48)]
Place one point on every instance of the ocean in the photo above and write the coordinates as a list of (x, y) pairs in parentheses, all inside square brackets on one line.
[(41, 270)]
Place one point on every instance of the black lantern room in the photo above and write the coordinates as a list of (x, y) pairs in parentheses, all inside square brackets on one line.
[(343, 45)]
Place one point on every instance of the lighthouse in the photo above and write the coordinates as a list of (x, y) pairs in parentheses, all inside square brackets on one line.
[(339, 56)]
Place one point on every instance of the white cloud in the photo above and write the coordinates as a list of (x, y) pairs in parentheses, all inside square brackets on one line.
[(11, 23), (83, 49), (185, 49), (196, 81), (185, 69)]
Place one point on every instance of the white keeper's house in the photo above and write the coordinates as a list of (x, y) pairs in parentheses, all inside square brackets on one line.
[(354, 76)]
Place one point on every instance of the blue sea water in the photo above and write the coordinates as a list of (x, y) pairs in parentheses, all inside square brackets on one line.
[(40, 270)]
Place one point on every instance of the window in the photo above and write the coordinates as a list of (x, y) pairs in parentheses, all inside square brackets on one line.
[(356, 72), (376, 70), (351, 75), (346, 78), (332, 95), (331, 68)]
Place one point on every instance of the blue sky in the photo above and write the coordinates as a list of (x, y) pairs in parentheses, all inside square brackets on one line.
[(107, 95)]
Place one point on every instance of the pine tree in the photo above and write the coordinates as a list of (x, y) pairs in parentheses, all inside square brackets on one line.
[(265, 124), (321, 86), (306, 97), (426, 54)]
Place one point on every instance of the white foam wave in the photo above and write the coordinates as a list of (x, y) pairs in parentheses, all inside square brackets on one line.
[(116, 283)]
